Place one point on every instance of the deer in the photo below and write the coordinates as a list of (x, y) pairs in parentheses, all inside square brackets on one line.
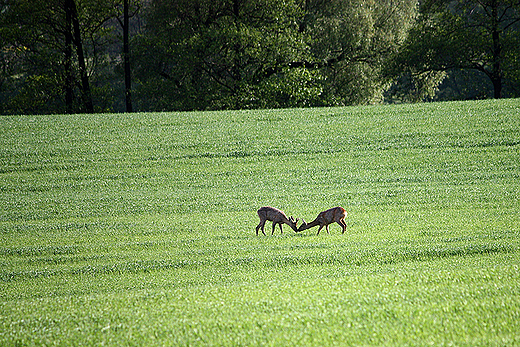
[(336, 214), (277, 217)]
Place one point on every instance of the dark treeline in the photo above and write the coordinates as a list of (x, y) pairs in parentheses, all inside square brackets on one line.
[(71, 56)]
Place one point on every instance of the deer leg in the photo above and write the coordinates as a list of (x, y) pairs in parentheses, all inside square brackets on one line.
[(343, 225), (321, 226), (281, 231), (274, 226), (327, 228), (260, 226)]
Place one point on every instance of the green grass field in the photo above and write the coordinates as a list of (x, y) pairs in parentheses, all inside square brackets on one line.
[(139, 230)]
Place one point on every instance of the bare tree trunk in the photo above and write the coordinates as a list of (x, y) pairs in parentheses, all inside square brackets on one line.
[(69, 77), (496, 74), (85, 86), (126, 58)]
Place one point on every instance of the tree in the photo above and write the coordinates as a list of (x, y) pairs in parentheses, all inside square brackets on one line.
[(126, 57), (197, 54), (29, 74), (50, 50), (481, 35), (351, 41), (129, 9), (209, 54), (71, 14), (244, 53)]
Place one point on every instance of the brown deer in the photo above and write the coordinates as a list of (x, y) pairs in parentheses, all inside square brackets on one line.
[(277, 217), (336, 214)]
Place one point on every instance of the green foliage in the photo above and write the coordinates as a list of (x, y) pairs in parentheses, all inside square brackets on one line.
[(28, 79), (245, 54), (139, 228), (421, 86), (37, 94), (218, 55), (292, 88), (467, 35), (356, 38), (250, 54), (33, 78)]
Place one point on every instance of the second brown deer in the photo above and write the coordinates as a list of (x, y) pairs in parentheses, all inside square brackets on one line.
[(336, 214), (277, 217)]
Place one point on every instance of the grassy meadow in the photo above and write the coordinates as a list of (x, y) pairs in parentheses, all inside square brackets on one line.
[(139, 229)]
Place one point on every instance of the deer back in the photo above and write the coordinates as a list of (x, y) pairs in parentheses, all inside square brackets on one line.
[(330, 216), (272, 214)]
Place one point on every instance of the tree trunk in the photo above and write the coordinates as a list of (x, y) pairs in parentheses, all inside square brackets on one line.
[(497, 86), (85, 87), (126, 58), (496, 74), (69, 77)]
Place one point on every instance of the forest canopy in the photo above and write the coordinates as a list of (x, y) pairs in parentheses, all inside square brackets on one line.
[(72, 56)]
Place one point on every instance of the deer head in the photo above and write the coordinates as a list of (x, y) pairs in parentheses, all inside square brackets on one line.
[(293, 222), (302, 227)]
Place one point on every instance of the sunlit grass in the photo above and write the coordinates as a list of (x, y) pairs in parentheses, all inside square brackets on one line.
[(140, 229)]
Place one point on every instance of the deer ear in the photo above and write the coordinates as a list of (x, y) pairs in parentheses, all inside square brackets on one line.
[(304, 222)]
